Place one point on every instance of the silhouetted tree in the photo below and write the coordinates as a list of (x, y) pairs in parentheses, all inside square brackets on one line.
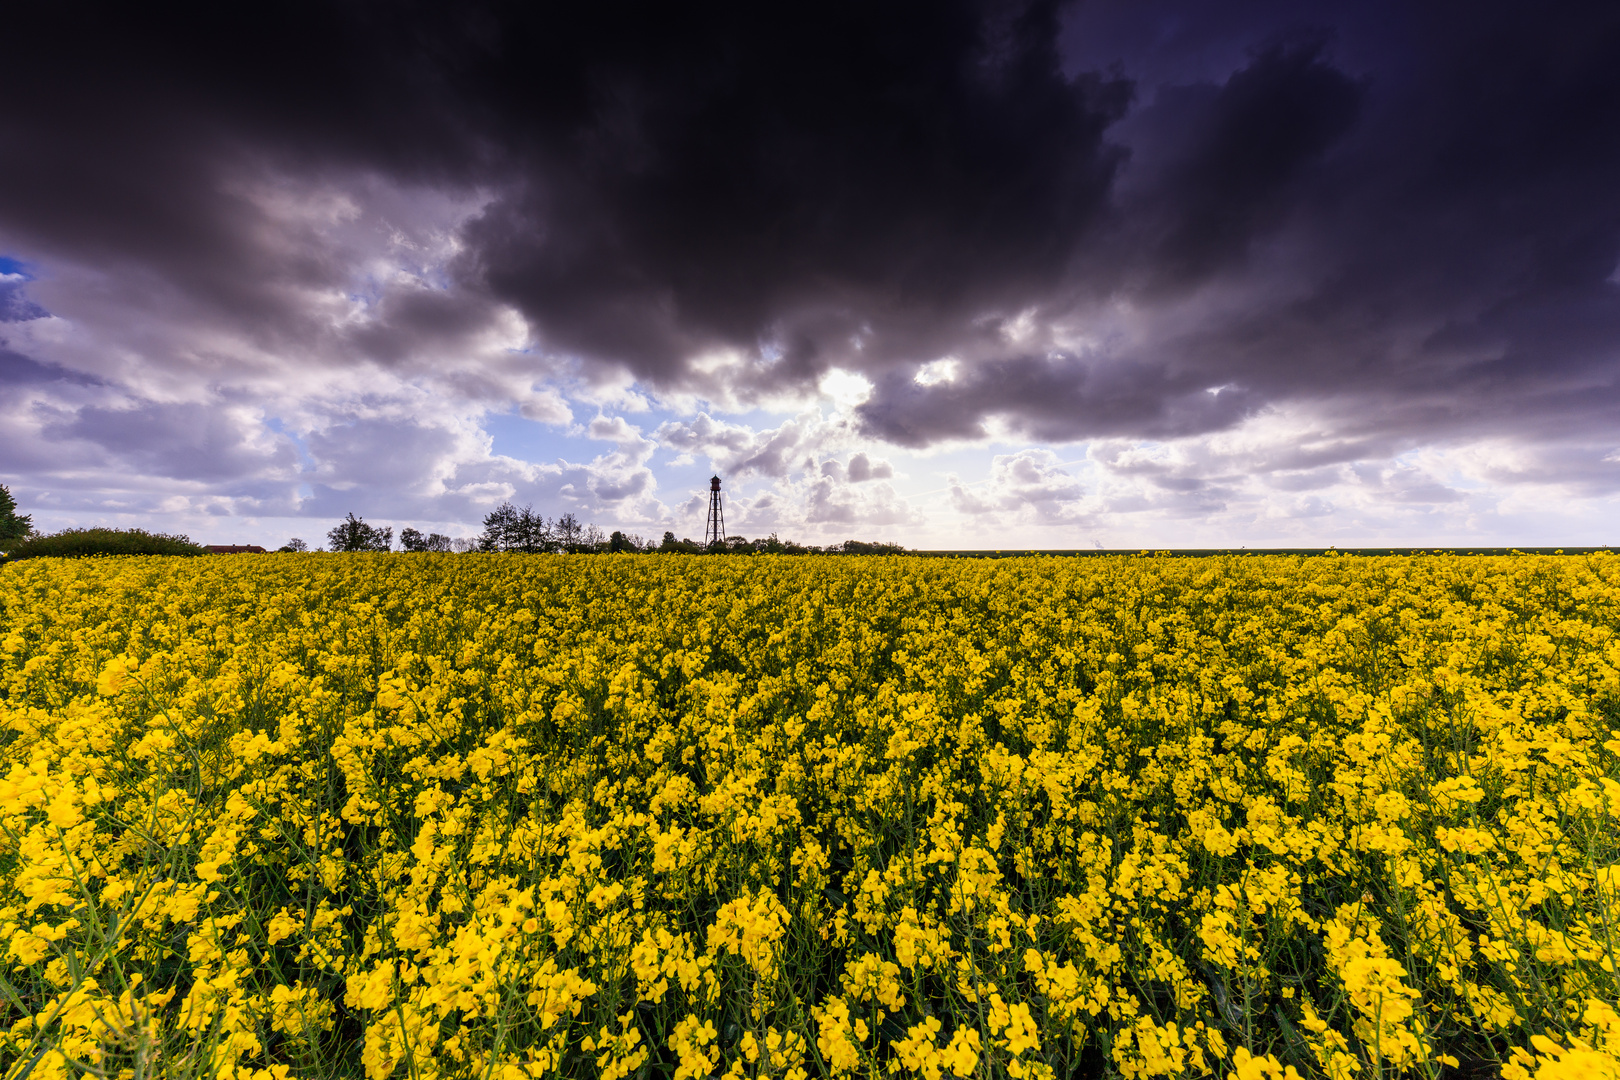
[(294, 544), (533, 535), (687, 546), (775, 545), (13, 526), (512, 528), (353, 534), (499, 525), (569, 532), (412, 540)]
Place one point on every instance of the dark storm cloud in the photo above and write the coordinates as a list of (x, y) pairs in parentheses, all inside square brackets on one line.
[(802, 177), (1049, 399), (1244, 144), (1402, 217), (668, 178)]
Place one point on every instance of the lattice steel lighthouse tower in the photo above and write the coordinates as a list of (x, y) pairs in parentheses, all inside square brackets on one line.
[(715, 530)]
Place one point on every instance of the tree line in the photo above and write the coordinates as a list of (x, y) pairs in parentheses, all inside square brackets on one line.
[(520, 529), (506, 528)]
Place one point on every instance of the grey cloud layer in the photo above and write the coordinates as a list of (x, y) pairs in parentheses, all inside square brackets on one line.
[(1119, 221)]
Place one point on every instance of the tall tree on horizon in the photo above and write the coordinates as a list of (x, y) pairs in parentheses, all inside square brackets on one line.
[(13, 526), (416, 540), (353, 534), (516, 528)]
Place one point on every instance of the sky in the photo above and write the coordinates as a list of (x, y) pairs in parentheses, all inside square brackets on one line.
[(954, 275)]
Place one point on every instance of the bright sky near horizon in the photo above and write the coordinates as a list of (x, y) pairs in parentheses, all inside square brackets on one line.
[(1123, 274)]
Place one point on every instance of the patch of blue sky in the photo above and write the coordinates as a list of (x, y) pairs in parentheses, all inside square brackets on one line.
[(15, 306), (514, 436), (370, 288), (1458, 480), (305, 458)]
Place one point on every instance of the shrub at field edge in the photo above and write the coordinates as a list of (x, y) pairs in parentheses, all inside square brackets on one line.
[(77, 543)]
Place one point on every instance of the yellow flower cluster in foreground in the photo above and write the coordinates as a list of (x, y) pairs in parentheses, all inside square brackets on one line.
[(514, 816)]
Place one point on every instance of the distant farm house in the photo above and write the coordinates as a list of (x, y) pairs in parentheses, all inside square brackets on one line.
[(233, 549)]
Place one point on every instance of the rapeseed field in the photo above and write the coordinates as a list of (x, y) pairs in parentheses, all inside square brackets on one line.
[(424, 816)]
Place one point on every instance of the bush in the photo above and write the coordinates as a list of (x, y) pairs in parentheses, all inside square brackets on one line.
[(77, 543)]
